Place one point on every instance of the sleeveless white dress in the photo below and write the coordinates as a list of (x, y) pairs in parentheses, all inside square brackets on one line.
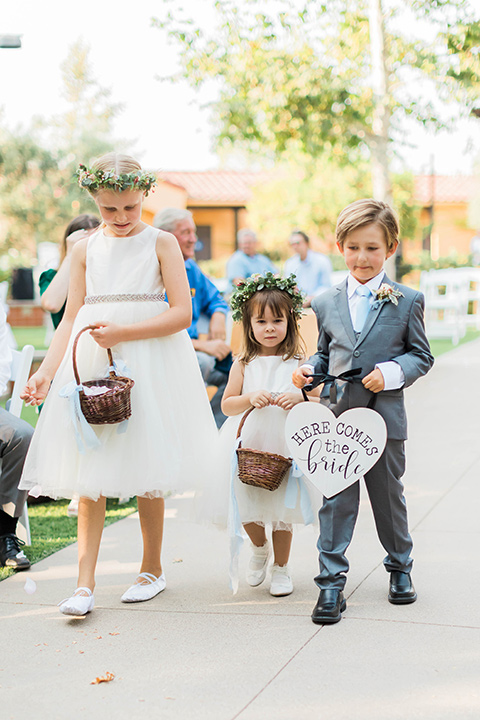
[(170, 438), (264, 429)]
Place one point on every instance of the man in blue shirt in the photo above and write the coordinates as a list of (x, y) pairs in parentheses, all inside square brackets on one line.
[(246, 261), (312, 269), (213, 353)]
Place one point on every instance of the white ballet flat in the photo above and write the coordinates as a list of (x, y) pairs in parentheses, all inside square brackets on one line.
[(257, 567), (139, 592), (78, 605)]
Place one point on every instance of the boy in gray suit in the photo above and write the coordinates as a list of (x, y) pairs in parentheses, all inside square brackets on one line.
[(372, 323)]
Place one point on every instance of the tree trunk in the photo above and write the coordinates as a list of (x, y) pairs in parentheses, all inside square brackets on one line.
[(381, 115), (379, 141)]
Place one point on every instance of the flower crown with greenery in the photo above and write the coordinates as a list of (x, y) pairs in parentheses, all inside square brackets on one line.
[(94, 180), (247, 289)]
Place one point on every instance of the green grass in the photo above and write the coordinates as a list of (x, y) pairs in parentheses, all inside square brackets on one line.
[(439, 347), (52, 529), (35, 336)]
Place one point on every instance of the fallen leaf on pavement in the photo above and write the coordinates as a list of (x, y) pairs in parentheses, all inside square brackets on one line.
[(108, 677)]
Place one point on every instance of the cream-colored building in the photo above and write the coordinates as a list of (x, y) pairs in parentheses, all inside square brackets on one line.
[(216, 198)]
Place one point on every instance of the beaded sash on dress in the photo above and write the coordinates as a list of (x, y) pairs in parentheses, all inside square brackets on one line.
[(137, 297)]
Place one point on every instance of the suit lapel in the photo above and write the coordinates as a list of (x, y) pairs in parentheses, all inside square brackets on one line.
[(341, 301)]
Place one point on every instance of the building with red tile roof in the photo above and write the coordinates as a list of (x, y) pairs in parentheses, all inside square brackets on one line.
[(218, 201)]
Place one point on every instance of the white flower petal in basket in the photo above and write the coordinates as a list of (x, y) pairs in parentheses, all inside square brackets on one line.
[(332, 452)]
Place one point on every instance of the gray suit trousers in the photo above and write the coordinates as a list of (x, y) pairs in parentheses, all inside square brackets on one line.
[(15, 436), (338, 516)]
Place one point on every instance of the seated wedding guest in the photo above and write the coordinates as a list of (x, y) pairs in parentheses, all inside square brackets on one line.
[(213, 354), (15, 436), (312, 269), (246, 261)]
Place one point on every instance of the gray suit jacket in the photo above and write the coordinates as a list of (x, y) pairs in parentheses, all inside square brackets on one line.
[(391, 332)]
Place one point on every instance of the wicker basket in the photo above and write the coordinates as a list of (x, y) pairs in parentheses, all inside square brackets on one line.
[(258, 468), (112, 406)]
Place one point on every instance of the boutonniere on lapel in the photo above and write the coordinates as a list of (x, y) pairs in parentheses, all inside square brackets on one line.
[(386, 293)]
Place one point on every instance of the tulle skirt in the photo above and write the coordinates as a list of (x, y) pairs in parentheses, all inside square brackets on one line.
[(170, 439)]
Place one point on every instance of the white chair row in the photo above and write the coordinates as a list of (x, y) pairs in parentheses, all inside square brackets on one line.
[(452, 302)]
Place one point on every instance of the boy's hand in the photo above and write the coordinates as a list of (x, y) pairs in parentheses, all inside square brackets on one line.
[(301, 377), (288, 400), (260, 399), (374, 381)]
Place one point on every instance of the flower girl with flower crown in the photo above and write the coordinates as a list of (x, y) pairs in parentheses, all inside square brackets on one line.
[(261, 378), (118, 280)]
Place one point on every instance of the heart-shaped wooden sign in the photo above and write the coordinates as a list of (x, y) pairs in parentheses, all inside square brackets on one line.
[(334, 452)]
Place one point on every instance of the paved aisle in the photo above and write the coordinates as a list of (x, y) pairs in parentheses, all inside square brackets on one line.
[(197, 653)]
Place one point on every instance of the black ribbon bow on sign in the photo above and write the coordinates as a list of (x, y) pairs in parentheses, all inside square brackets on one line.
[(349, 376)]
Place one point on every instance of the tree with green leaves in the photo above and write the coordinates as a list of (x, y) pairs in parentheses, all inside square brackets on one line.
[(38, 192), (329, 79)]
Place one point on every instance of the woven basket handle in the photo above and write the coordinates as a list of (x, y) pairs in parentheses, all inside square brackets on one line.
[(242, 421), (74, 354)]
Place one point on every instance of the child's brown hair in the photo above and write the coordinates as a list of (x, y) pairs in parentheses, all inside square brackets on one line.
[(280, 303), (368, 212)]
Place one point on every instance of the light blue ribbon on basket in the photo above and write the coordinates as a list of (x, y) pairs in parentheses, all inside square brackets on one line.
[(84, 433), (294, 484), (234, 523)]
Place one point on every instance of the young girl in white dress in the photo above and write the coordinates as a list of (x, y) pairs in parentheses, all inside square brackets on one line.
[(118, 280), (261, 377)]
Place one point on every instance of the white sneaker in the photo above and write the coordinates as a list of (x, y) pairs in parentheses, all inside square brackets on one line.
[(257, 567), (281, 583), (145, 589), (79, 604)]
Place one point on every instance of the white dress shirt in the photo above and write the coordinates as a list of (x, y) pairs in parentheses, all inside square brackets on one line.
[(393, 375)]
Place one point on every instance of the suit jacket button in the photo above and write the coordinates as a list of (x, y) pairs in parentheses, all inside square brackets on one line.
[(356, 353)]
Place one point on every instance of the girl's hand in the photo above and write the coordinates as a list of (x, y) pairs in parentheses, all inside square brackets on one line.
[(260, 399), (36, 389), (288, 400), (107, 334), (301, 376)]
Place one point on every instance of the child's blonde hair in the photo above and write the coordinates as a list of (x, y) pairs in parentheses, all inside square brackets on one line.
[(368, 212), (118, 162), (280, 303)]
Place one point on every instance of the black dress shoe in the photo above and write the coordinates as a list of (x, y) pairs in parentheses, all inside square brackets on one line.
[(329, 607), (401, 591), (11, 554)]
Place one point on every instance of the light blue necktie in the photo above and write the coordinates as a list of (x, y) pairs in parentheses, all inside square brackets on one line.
[(363, 307)]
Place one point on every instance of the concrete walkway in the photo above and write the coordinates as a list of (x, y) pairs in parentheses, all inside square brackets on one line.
[(195, 652)]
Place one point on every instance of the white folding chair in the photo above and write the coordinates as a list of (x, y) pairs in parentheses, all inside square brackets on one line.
[(471, 307), (445, 299), (21, 364)]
